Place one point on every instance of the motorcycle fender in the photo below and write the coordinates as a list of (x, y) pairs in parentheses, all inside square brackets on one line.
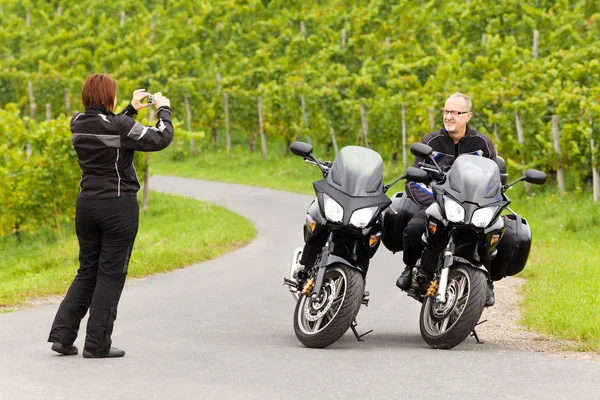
[(323, 264), (470, 264), (333, 259)]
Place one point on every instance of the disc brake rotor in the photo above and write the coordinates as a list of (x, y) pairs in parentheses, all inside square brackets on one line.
[(314, 310), (441, 310)]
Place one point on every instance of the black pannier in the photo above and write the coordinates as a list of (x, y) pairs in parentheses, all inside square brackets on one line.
[(395, 219), (513, 249)]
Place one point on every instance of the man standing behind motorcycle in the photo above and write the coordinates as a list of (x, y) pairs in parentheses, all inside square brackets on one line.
[(454, 139)]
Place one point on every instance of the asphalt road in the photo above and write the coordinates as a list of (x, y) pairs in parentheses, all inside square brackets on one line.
[(223, 330)]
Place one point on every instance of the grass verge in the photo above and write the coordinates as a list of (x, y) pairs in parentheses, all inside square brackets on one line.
[(562, 292), (175, 232)]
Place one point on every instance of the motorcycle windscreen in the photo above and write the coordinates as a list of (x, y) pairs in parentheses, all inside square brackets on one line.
[(357, 171), (474, 179)]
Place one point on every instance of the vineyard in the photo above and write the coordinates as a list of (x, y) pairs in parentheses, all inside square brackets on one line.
[(371, 74)]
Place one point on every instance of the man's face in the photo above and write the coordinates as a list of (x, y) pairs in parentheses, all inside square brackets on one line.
[(456, 123)]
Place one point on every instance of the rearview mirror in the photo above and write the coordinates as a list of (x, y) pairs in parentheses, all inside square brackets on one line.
[(534, 176), (421, 150), (301, 149), (502, 167), (417, 174)]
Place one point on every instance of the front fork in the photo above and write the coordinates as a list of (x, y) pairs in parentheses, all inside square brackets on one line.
[(448, 260), (323, 263), (313, 286)]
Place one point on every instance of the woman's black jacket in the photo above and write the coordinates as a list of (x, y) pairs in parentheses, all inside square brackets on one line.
[(105, 143)]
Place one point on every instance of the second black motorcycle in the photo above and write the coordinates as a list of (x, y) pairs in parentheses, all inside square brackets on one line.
[(464, 242)]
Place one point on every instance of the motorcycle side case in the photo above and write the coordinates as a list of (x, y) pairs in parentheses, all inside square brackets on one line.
[(513, 249), (395, 219)]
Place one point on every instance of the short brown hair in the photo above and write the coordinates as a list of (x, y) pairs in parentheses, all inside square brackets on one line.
[(99, 90)]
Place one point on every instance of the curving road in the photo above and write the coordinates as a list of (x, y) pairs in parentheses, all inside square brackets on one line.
[(223, 330)]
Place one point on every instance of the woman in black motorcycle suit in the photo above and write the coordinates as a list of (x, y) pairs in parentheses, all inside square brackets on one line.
[(107, 213)]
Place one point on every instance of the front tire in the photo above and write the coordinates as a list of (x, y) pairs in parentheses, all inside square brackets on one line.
[(320, 324), (444, 326)]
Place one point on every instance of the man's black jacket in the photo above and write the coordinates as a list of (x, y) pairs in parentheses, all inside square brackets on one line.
[(105, 143), (445, 152)]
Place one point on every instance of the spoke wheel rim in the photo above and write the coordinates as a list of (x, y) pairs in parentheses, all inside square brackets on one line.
[(440, 318), (314, 317)]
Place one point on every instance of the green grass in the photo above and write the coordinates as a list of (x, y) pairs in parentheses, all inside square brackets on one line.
[(175, 232), (562, 291)]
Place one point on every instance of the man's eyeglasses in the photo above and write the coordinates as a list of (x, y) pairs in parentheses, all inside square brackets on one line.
[(453, 112)]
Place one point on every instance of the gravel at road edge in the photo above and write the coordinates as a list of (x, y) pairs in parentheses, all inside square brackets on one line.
[(502, 326)]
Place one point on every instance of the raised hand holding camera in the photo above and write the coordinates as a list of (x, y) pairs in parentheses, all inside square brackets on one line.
[(138, 96), (157, 99), (160, 100)]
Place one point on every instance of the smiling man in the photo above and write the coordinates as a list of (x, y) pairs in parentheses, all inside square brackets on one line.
[(454, 139)]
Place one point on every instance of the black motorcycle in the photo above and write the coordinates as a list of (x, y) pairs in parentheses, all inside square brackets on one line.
[(464, 242), (342, 233)]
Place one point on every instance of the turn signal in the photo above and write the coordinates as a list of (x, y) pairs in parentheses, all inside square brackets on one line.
[(310, 223), (432, 227), (374, 239), (495, 238)]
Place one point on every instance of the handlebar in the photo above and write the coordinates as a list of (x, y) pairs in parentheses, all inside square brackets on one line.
[(426, 167), (324, 165)]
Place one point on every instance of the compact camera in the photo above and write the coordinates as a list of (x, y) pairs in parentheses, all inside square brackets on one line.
[(150, 99)]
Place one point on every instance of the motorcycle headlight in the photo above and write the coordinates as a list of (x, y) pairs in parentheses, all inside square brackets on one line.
[(361, 217), (454, 211), (333, 211), (483, 216)]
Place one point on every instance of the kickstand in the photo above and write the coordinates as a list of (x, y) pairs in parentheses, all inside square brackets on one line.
[(358, 337), (475, 333)]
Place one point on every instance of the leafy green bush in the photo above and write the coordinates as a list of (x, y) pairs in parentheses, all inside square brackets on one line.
[(39, 170)]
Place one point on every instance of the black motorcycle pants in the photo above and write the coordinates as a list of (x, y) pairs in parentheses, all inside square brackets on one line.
[(412, 245), (106, 230)]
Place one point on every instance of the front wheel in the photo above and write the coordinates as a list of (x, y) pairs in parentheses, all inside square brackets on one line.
[(320, 324), (446, 325)]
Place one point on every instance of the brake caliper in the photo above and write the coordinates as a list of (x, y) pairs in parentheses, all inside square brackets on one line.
[(308, 287), (432, 289)]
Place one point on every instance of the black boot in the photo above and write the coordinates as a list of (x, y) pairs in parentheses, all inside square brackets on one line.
[(405, 279), (490, 300), (112, 353), (67, 350)]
